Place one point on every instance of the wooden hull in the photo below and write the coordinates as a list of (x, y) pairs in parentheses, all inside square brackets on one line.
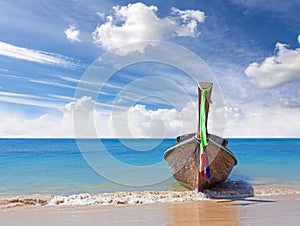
[(183, 161)]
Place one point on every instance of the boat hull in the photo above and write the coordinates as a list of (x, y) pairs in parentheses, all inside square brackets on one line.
[(183, 160)]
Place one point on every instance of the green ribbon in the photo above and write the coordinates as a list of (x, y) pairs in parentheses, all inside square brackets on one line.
[(202, 120)]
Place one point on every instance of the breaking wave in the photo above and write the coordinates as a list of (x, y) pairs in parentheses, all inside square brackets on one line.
[(129, 198), (227, 190)]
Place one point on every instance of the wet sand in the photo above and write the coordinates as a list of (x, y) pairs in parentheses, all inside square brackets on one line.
[(275, 210)]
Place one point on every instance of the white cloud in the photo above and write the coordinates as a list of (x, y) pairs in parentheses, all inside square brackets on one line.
[(276, 70), (28, 99), (188, 15), (100, 14), (138, 22), (36, 56), (16, 126), (85, 103), (72, 34), (190, 18), (45, 125), (248, 120), (252, 120), (140, 122), (299, 39), (45, 82)]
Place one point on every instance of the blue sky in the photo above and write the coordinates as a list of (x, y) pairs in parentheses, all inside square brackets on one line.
[(251, 46)]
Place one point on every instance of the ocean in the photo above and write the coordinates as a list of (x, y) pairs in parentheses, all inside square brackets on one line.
[(61, 168)]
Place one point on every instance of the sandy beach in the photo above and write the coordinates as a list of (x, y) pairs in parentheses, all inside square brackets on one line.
[(273, 210)]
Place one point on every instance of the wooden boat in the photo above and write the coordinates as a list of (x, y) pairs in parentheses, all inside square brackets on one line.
[(184, 157)]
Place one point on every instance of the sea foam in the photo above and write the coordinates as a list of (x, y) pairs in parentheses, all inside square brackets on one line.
[(129, 198), (117, 198), (227, 190)]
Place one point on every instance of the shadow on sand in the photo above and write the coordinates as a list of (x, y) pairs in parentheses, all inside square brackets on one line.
[(234, 191)]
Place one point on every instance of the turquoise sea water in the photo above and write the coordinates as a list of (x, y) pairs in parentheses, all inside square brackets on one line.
[(56, 166)]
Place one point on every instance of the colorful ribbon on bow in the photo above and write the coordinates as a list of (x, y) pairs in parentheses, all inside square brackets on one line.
[(202, 135)]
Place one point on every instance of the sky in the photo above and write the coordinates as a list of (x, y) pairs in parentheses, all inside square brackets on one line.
[(250, 49)]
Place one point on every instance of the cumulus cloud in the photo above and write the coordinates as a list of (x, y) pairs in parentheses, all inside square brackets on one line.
[(141, 122), (36, 56), (17, 127), (190, 18), (45, 125), (48, 125), (246, 121), (299, 39), (138, 121), (84, 104), (276, 70), (72, 34), (252, 120), (138, 22)]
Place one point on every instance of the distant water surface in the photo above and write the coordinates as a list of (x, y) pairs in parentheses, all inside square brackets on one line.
[(56, 166)]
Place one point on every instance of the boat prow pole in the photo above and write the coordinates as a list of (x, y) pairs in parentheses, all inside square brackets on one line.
[(202, 86)]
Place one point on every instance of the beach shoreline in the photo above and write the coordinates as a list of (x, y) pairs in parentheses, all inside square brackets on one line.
[(36, 192), (257, 210)]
